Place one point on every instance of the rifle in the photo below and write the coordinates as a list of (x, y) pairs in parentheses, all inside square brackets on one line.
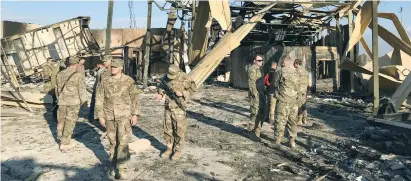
[(171, 93)]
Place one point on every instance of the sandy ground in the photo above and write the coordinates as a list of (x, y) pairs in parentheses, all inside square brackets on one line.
[(217, 147)]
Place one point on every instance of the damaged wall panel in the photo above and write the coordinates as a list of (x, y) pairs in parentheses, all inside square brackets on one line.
[(60, 40)]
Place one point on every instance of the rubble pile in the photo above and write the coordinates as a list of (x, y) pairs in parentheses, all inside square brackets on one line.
[(374, 154)]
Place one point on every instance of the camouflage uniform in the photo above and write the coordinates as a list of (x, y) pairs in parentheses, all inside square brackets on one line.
[(258, 98), (49, 73), (302, 95), (117, 101), (71, 94), (287, 86), (175, 123), (102, 73)]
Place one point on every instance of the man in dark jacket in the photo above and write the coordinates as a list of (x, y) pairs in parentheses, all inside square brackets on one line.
[(269, 82)]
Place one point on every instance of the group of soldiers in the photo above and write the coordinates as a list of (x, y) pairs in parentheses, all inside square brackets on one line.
[(116, 105), (284, 89)]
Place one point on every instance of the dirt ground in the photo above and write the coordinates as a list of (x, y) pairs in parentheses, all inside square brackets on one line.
[(337, 144)]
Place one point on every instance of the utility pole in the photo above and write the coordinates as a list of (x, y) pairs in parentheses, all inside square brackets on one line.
[(375, 56), (148, 44), (108, 29)]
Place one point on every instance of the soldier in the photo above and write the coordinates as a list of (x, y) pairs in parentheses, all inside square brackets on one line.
[(102, 72), (71, 94), (177, 90), (80, 68), (272, 101), (302, 92), (105, 71), (257, 94), (117, 109), (286, 82), (50, 71), (48, 68)]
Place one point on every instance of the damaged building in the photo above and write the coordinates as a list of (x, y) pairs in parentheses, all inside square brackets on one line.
[(358, 104)]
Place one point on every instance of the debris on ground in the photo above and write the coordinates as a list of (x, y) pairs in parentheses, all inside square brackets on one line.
[(336, 144)]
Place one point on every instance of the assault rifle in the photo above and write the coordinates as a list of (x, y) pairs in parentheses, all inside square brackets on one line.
[(171, 93)]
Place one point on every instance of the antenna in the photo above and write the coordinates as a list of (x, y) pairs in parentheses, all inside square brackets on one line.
[(401, 12)]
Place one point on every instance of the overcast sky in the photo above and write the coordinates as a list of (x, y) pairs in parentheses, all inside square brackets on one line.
[(49, 12)]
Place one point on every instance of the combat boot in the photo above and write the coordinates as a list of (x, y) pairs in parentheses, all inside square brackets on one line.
[(166, 154), (176, 155), (122, 175), (291, 142)]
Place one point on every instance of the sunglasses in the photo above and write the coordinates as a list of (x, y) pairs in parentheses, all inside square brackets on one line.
[(260, 60)]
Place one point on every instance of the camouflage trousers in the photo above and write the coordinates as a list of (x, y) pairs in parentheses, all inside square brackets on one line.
[(302, 110), (118, 134), (272, 101), (66, 121), (175, 127), (258, 111), (286, 119)]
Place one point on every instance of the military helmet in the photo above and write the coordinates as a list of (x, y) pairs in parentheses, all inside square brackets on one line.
[(173, 71), (73, 60), (117, 62)]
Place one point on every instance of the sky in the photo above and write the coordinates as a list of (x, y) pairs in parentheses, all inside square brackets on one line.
[(49, 12)]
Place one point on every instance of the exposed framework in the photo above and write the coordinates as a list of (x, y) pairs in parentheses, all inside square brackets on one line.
[(288, 23)]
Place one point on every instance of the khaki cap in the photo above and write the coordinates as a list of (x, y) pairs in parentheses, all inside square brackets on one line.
[(107, 58), (173, 71)]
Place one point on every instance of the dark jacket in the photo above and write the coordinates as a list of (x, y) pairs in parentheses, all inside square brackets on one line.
[(271, 75)]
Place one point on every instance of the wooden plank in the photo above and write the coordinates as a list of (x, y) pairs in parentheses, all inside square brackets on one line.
[(21, 104), (31, 97)]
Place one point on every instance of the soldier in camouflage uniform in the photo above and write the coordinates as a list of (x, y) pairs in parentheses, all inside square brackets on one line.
[(117, 108), (71, 94), (47, 73), (102, 72), (302, 92), (175, 122), (257, 94), (286, 82), (50, 71)]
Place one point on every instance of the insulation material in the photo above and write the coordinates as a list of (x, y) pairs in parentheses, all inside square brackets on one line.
[(220, 10), (199, 40), (229, 42)]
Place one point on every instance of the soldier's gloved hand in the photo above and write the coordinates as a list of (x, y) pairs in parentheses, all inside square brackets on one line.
[(133, 120), (102, 122), (179, 94)]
